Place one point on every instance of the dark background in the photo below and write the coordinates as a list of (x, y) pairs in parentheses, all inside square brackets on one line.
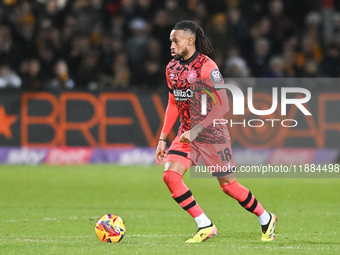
[(79, 111)]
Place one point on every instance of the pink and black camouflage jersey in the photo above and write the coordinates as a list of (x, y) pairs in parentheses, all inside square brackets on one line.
[(187, 80)]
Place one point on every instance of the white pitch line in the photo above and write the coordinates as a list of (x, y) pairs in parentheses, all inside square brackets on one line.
[(53, 219)]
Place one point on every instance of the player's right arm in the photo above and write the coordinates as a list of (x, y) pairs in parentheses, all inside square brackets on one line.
[(171, 115)]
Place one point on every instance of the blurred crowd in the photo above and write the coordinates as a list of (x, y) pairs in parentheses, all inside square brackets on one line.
[(124, 44)]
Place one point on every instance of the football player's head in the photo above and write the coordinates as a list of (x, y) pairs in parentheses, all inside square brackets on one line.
[(187, 37)]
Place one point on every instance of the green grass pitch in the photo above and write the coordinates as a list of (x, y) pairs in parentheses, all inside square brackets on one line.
[(53, 210)]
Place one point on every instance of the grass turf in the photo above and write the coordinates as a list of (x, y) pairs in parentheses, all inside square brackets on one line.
[(53, 210)]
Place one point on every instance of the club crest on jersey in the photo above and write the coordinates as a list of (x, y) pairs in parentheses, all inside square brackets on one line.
[(192, 76), (171, 76), (182, 95)]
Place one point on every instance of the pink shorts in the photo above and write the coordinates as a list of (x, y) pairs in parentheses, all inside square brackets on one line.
[(179, 152), (219, 155)]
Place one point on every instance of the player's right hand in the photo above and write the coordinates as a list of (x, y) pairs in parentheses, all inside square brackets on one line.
[(160, 151)]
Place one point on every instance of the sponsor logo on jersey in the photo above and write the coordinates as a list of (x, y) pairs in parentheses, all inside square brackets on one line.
[(182, 95)]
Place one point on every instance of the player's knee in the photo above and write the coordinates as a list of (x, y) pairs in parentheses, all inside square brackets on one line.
[(171, 178), (225, 180)]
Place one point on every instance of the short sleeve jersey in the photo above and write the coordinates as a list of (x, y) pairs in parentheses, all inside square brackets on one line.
[(182, 78)]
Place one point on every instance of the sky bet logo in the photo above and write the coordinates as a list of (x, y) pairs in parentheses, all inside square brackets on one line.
[(239, 102)]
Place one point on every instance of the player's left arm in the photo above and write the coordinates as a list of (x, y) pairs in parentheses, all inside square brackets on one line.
[(213, 76), (210, 75)]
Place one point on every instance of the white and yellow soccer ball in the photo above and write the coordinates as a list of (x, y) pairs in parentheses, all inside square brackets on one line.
[(110, 228)]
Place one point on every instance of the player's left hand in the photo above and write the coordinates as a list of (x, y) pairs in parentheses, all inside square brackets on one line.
[(185, 137), (190, 135)]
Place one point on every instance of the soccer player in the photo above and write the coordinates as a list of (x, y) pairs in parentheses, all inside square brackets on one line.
[(189, 48)]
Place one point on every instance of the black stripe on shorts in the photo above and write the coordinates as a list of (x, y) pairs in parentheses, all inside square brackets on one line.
[(180, 153), (220, 174)]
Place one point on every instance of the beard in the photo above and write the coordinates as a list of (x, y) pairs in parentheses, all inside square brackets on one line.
[(180, 56)]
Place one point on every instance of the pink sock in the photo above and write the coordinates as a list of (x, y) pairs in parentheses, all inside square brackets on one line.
[(181, 193), (243, 196)]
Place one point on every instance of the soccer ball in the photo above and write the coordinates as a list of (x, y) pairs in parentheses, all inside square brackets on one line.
[(110, 228)]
